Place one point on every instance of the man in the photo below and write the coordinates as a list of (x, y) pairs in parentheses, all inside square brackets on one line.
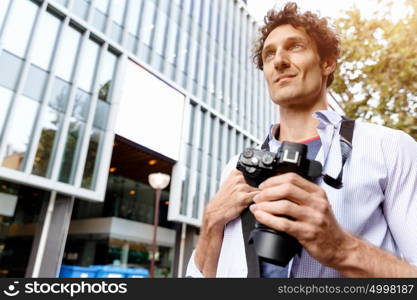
[(366, 229)]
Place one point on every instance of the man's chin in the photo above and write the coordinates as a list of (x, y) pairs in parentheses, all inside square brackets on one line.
[(283, 100)]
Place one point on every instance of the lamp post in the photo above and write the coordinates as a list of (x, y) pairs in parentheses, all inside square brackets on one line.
[(158, 182)]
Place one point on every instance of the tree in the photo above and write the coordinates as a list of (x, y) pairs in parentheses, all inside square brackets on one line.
[(377, 77)]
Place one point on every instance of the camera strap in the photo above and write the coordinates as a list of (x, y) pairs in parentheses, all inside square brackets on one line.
[(248, 221)]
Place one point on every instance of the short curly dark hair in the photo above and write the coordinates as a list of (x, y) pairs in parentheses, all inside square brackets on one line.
[(317, 28)]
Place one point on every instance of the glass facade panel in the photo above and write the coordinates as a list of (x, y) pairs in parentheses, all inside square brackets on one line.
[(35, 83), (101, 115), (102, 5), (44, 43), (59, 95), (52, 124), (100, 13), (99, 20), (148, 22), (106, 75), (4, 5), (132, 25), (11, 66), (20, 133), (118, 11), (90, 168), (70, 43), (116, 32), (20, 24), (161, 35), (71, 150), (89, 65), (62, 2), (5, 99), (80, 8), (172, 47), (81, 105)]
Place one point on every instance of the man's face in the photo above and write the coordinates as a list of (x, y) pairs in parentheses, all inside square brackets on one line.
[(292, 67)]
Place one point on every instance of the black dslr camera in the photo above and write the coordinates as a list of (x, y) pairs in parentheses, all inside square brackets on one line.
[(258, 165)]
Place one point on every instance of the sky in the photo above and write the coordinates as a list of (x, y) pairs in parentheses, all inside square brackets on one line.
[(328, 8)]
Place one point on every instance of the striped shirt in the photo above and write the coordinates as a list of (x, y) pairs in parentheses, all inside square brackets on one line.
[(378, 201)]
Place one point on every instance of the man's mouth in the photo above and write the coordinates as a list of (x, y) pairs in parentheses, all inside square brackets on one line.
[(283, 76)]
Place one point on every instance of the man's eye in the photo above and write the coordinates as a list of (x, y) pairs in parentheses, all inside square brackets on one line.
[(297, 46), (269, 55)]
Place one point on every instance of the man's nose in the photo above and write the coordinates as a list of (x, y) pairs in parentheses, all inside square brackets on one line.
[(281, 60)]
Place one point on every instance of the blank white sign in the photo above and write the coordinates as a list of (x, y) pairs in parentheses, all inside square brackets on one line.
[(151, 112)]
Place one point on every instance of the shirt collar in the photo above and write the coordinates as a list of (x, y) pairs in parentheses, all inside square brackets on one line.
[(326, 117)]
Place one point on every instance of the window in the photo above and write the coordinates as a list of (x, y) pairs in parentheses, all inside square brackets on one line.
[(4, 5), (148, 22), (80, 8), (160, 34), (88, 68), (59, 95), (90, 169), (20, 133), (135, 7), (68, 54), (100, 13), (106, 75), (45, 39), (51, 124), (118, 14), (172, 47), (100, 121), (20, 25), (62, 2), (35, 82), (5, 99), (190, 134), (74, 137), (11, 66), (118, 10)]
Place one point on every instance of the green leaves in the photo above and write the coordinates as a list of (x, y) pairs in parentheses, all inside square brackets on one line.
[(377, 76)]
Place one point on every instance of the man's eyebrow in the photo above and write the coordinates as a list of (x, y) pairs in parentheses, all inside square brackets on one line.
[(290, 39), (267, 47), (296, 39)]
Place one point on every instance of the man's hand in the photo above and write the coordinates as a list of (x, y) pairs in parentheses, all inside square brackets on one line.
[(314, 224), (232, 198)]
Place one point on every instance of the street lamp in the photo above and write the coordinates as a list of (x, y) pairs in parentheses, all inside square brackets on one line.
[(158, 182)]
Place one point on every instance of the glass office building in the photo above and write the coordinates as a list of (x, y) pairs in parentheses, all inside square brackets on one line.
[(97, 94)]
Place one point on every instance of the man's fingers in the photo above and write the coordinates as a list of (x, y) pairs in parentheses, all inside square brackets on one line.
[(292, 178), (283, 207), (284, 191), (279, 223)]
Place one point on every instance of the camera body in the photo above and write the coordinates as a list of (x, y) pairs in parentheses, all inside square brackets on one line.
[(258, 165)]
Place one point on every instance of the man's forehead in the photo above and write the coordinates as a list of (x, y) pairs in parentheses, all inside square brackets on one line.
[(286, 32)]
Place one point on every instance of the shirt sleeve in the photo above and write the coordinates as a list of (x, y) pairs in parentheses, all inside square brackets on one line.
[(192, 270), (400, 206)]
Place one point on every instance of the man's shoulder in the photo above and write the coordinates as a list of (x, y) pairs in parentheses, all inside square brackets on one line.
[(370, 131), (392, 143)]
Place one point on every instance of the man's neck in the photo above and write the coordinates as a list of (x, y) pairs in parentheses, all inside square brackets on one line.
[(297, 124)]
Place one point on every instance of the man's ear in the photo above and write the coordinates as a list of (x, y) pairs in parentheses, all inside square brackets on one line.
[(328, 66)]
